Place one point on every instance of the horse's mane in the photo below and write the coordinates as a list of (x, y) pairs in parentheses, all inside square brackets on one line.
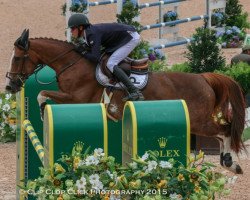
[(52, 39)]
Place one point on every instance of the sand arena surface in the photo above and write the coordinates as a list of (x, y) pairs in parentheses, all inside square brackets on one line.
[(44, 19)]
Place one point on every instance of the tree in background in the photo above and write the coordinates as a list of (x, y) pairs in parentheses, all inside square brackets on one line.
[(236, 16), (128, 13), (204, 54)]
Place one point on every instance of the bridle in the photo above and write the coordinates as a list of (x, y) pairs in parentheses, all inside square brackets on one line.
[(22, 76)]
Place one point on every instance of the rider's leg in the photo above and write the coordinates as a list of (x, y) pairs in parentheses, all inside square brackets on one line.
[(116, 58), (134, 93)]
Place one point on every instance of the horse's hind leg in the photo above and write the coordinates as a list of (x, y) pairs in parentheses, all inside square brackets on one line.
[(227, 156), (212, 129)]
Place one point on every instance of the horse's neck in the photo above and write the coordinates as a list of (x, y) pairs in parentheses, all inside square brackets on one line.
[(56, 54), (74, 72)]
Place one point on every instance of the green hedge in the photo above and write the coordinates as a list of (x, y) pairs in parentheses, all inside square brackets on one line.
[(239, 72)]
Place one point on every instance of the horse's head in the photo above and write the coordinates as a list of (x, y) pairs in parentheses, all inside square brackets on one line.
[(21, 65)]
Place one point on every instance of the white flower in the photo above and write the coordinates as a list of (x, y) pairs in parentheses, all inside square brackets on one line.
[(232, 180), (115, 197), (91, 160), (2, 133), (110, 175), (81, 183), (7, 96), (13, 127), (3, 124), (4, 116), (152, 165), (6, 107), (99, 152), (175, 196), (93, 178), (133, 165), (145, 156), (165, 164), (97, 185), (81, 162), (147, 170)]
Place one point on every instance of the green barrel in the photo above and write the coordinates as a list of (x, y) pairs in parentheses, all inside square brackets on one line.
[(160, 126), (66, 124)]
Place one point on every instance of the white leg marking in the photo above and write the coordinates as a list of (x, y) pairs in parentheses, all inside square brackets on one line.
[(41, 99), (221, 142), (227, 149)]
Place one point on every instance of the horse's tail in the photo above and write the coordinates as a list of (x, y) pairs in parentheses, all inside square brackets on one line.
[(229, 95)]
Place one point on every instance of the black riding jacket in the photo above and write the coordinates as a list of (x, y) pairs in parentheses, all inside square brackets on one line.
[(110, 36)]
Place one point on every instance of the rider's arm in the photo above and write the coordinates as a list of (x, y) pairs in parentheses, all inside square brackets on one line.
[(95, 52)]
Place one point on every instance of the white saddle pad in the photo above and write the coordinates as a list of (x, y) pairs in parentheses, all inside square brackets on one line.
[(140, 81)]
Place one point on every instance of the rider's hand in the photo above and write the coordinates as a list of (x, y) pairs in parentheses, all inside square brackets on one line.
[(82, 48), (79, 48)]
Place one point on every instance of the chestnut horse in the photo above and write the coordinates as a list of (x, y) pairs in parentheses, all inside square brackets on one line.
[(215, 102)]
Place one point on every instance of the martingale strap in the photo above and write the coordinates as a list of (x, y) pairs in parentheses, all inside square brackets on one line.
[(106, 99)]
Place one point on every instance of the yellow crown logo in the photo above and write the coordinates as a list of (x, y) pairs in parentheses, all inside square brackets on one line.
[(162, 142)]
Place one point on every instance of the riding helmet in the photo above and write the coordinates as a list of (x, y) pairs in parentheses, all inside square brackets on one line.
[(78, 19)]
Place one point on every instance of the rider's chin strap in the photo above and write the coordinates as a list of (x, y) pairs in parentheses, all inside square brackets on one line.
[(106, 99)]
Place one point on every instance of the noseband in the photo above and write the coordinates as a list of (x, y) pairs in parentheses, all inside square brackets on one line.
[(21, 76)]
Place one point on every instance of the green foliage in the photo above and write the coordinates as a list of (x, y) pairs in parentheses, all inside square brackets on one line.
[(204, 54), (158, 66), (240, 72), (157, 60), (128, 13), (170, 16), (233, 9), (246, 134), (182, 67), (63, 8), (236, 16), (78, 8), (7, 117), (140, 51), (95, 176)]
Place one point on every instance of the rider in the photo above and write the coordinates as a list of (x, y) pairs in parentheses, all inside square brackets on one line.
[(120, 39)]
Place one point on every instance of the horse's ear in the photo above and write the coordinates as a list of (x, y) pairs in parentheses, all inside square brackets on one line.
[(23, 40)]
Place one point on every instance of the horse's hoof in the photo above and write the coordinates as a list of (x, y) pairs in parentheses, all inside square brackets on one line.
[(238, 170)]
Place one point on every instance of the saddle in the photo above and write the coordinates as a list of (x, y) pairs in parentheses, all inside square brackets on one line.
[(128, 65)]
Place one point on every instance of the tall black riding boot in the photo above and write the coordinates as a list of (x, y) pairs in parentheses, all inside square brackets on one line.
[(134, 93)]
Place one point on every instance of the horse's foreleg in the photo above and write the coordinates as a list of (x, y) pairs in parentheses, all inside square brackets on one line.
[(226, 156), (56, 96)]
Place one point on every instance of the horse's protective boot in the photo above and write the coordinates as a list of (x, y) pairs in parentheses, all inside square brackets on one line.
[(134, 93)]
